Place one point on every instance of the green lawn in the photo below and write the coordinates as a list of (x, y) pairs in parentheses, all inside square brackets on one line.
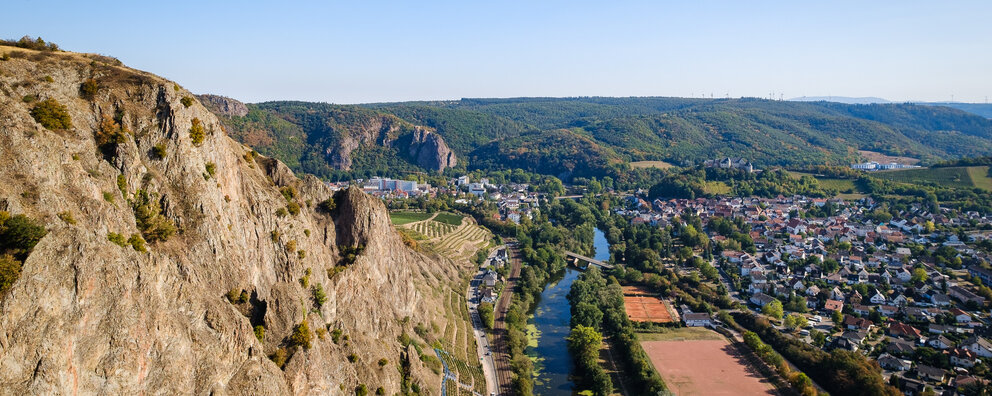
[(681, 334), (840, 185), (408, 217), (449, 218), (716, 187), (959, 177), (980, 177)]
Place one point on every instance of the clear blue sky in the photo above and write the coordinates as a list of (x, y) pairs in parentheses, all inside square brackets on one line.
[(366, 51)]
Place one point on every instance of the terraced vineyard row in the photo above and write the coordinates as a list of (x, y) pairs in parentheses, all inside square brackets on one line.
[(453, 244), (433, 229)]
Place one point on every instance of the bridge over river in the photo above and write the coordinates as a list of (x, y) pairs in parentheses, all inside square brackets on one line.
[(578, 257)]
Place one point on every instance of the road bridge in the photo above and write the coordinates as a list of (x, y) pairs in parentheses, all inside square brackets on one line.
[(576, 258)]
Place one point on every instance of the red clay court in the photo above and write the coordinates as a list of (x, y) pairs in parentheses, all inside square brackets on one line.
[(644, 306), (705, 367)]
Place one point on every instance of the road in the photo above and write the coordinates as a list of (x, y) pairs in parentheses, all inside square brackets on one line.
[(484, 348), (502, 353)]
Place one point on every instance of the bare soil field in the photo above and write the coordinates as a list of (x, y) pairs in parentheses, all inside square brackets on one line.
[(885, 159), (651, 164), (705, 367), (643, 306)]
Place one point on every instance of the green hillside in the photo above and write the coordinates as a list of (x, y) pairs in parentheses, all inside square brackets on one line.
[(570, 137)]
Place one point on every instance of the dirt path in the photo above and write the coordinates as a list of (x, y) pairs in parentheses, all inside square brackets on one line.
[(612, 368)]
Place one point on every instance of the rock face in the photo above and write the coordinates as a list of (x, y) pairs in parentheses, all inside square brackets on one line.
[(223, 105), (320, 137), (88, 316), (428, 150)]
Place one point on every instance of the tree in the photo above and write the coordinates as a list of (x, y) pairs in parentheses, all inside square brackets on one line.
[(819, 338), (773, 309), (486, 314), (552, 186), (837, 317), (919, 276), (796, 321), (587, 314)]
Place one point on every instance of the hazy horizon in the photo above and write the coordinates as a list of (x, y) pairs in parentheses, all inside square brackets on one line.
[(392, 51)]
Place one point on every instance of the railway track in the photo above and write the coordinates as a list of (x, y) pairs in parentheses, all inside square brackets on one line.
[(502, 354)]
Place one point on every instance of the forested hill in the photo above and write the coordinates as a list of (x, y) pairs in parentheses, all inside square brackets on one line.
[(597, 135)]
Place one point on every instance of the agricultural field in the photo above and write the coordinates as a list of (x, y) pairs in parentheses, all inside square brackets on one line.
[(717, 187), (844, 186), (959, 177), (400, 218), (698, 365), (885, 159), (650, 164)]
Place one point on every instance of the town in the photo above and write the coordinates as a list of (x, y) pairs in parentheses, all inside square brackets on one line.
[(906, 290), (844, 274)]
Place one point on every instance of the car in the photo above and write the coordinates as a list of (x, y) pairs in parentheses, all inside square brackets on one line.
[(816, 318), (804, 332)]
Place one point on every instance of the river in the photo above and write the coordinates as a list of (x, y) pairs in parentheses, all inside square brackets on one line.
[(549, 326)]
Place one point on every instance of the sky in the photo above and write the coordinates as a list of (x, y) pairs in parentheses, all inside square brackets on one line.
[(379, 51)]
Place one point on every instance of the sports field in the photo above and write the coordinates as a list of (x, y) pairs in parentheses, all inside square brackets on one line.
[(705, 367), (643, 306)]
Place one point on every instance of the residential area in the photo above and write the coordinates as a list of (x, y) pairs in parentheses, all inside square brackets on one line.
[(906, 289)]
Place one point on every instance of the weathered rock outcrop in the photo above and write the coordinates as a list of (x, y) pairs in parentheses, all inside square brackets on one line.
[(322, 137), (89, 316), (223, 105), (428, 150)]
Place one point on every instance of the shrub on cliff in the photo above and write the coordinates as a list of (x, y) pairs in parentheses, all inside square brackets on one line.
[(87, 90), (51, 114), (301, 335), (187, 101), (147, 214), (10, 270), (196, 132), (19, 234)]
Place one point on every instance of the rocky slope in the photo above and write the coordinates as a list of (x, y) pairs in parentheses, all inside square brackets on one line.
[(324, 139), (223, 105), (89, 316), (429, 150)]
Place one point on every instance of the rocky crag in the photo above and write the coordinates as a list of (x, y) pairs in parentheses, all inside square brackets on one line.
[(339, 136), (252, 280), (223, 105)]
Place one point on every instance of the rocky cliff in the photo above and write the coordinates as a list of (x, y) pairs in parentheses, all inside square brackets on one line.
[(223, 105), (325, 139), (429, 150), (254, 281)]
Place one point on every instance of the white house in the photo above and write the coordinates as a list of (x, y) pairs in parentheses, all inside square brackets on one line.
[(697, 319), (878, 298), (979, 345)]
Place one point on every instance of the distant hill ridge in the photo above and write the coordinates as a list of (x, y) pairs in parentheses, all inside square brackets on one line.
[(596, 136)]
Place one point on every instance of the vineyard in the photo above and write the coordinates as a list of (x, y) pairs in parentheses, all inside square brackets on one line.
[(459, 353), (451, 235)]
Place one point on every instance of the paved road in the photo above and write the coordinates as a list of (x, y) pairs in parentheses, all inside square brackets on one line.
[(484, 348), (502, 352)]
